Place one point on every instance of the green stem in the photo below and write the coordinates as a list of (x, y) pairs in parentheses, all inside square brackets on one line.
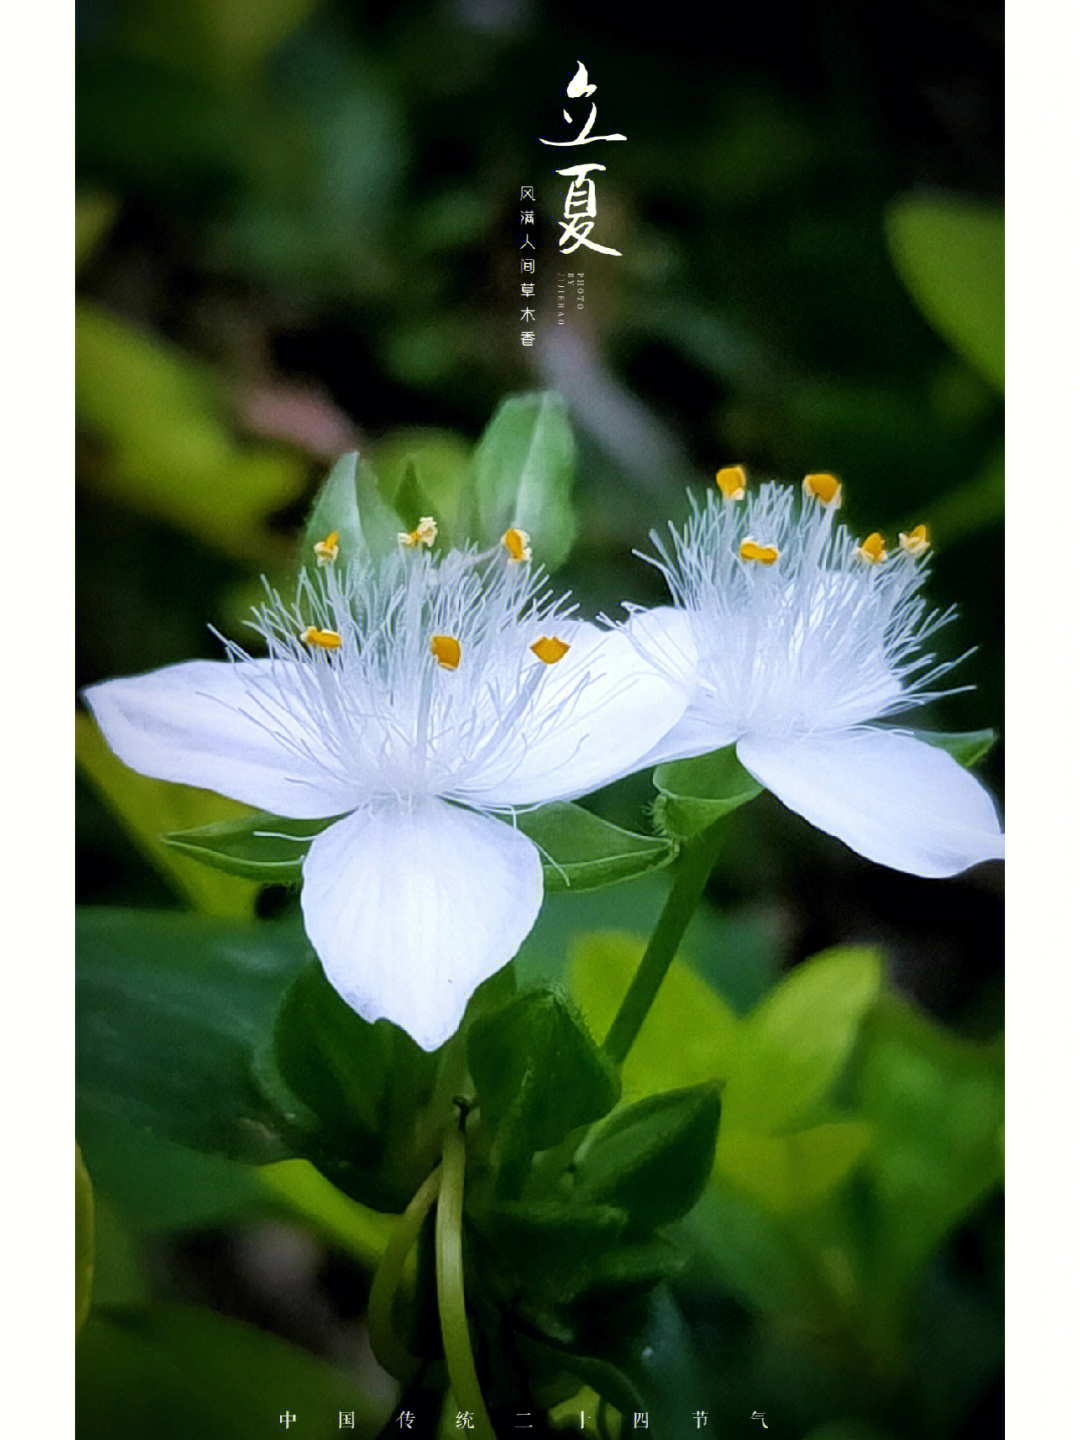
[(389, 1351), (693, 868), (450, 1282)]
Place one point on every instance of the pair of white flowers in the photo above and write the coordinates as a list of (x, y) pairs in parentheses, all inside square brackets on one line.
[(420, 698)]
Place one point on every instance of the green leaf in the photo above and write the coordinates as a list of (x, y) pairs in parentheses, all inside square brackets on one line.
[(755, 1254), (84, 1241), (96, 212), (367, 1083), (632, 1267), (119, 1265), (951, 256), (232, 40), (170, 1010), (168, 448), (794, 1045), (552, 1366), (523, 470), (147, 808), (426, 472), (652, 1159), (602, 967), (790, 1172), (538, 1073), (359, 1231), (693, 794), (412, 501), (552, 1248), (966, 746), (260, 846), (936, 1103), (582, 852), (350, 505), (159, 1185), (174, 1373)]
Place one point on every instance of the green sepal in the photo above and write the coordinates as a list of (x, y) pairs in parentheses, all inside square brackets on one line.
[(521, 475), (653, 1159), (582, 852), (351, 505), (261, 846), (693, 794), (966, 746), (538, 1074)]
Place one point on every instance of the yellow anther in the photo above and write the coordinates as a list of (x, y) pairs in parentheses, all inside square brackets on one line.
[(327, 550), (763, 554), (732, 482), (872, 549), (424, 534), (549, 649), (321, 639), (916, 542), (447, 651), (517, 544), (825, 487)]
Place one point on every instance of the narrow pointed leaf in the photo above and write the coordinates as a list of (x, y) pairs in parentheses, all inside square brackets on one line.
[(350, 506), (522, 471), (412, 501)]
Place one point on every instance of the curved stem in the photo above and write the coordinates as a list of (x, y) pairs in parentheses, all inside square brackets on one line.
[(389, 1351), (693, 868), (450, 1282)]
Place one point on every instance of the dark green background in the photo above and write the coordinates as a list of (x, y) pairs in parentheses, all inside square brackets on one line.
[(300, 230)]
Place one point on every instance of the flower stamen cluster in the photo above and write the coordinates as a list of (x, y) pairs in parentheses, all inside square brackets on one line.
[(793, 641)]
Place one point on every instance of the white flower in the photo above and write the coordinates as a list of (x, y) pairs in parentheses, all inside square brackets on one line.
[(791, 639), (411, 699)]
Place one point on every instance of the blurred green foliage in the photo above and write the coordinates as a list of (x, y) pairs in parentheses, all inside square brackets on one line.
[(297, 234)]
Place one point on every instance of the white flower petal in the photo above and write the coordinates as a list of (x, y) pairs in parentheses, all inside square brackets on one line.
[(594, 716), (217, 725), (409, 909), (697, 733), (887, 795), (666, 636)]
